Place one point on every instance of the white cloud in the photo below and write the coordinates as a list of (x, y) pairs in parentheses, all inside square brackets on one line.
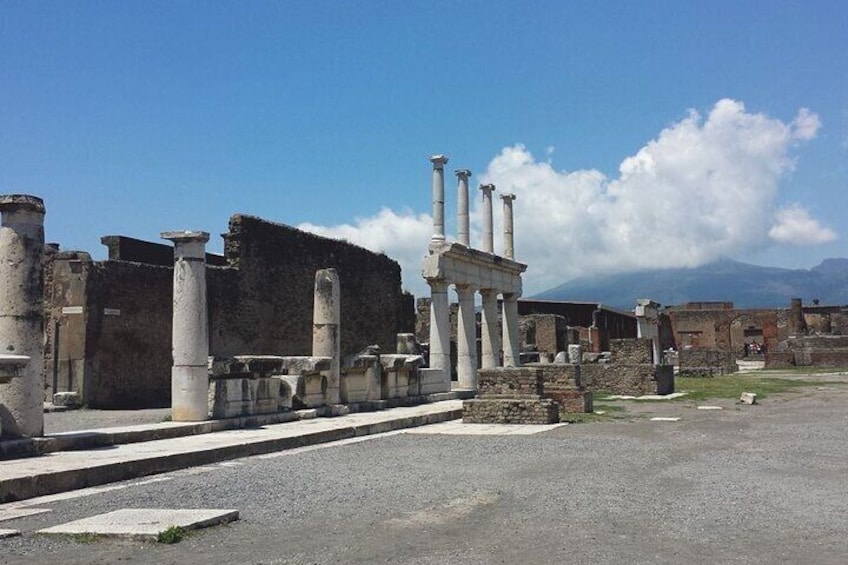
[(703, 188), (402, 236), (795, 227)]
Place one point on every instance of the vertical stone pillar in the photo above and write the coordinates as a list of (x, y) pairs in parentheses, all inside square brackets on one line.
[(190, 342), (647, 316), (22, 312), (508, 233), (462, 228), (511, 346), (439, 162), (488, 231), (797, 324), (326, 328), (466, 339), (490, 335), (439, 327)]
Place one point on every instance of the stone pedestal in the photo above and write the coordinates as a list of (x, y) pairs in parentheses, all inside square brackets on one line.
[(190, 344), (21, 312)]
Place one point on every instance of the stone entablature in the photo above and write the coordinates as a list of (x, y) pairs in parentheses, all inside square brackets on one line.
[(463, 265)]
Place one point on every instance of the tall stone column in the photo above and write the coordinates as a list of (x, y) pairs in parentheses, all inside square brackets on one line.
[(508, 233), (439, 162), (511, 337), (190, 342), (488, 229), (439, 327), (466, 339), (22, 312), (463, 234), (326, 328), (489, 332)]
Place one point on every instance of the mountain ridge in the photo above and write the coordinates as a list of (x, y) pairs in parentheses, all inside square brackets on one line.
[(724, 280)]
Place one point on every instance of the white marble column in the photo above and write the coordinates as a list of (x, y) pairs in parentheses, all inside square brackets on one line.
[(511, 346), (439, 327), (326, 328), (439, 162), (489, 332), (22, 312), (466, 339), (463, 234), (488, 229), (190, 343), (508, 233)]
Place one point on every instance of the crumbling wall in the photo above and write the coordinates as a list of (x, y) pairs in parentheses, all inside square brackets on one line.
[(269, 310)]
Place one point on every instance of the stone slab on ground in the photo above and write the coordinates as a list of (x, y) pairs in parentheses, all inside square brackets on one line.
[(457, 427), (9, 533), (664, 419), (710, 408), (14, 513), (671, 396), (143, 523)]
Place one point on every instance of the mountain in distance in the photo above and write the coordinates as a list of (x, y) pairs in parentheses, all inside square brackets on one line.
[(725, 280)]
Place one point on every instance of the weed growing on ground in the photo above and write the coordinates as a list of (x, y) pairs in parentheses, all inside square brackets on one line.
[(173, 534)]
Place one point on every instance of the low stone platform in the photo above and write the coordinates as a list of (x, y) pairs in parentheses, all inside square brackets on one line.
[(143, 523), (510, 411)]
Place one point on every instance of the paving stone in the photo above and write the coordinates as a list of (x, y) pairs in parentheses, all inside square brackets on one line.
[(13, 513), (664, 419), (9, 533), (710, 408), (143, 523)]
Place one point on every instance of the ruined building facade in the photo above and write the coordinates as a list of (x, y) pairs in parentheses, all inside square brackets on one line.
[(109, 323)]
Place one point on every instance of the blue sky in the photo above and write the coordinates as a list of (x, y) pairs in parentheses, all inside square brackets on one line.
[(138, 117)]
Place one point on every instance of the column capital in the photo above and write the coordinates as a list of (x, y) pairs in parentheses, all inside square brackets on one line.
[(487, 188), (21, 202), (439, 161), (462, 173), (463, 288), (507, 197)]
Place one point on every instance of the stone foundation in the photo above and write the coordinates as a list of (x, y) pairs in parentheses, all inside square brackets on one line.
[(629, 379), (510, 411)]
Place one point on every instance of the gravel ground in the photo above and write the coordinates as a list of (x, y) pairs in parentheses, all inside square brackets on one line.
[(747, 484)]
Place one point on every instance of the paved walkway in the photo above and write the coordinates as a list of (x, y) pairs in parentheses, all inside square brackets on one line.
[(68, 470)]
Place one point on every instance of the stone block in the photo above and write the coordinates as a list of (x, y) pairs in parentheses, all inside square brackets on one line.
[(434, 381), (69, 399), (748, 398), (510, 382)]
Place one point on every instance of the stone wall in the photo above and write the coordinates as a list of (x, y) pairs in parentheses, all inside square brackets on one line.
[(635, 351), (706, 362), (628, 379), (510, 396)]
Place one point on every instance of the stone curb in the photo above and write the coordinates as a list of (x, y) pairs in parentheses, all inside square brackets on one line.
[(68, 441), (62, 481)]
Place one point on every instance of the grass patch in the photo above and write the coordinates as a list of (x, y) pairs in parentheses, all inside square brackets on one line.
[(734, 386), (174, 534)]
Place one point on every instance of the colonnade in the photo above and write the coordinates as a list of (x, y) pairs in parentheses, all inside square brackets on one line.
[(471, 271)]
